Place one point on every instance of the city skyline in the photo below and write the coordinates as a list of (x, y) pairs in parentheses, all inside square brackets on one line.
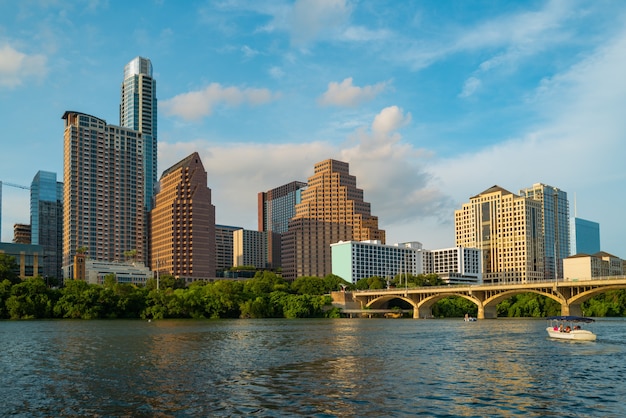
[(429, 102)]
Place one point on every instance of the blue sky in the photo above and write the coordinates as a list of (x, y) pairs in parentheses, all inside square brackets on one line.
[(430, 102)]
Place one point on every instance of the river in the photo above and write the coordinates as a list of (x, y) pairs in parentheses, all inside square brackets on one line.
[(315, 367)]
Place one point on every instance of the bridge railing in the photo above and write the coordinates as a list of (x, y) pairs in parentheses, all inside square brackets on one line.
[(499, 283)]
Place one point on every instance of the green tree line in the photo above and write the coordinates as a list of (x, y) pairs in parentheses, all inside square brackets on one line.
[(264, 296)]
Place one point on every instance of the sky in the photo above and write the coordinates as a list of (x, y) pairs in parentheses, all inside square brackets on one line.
[(430, 102)]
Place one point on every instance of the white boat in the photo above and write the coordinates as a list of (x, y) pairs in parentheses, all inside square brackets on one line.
[(569, 328), (469, 318)]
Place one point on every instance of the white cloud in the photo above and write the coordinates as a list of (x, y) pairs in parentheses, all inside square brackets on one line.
[(469, 88), (249, 52), (15, 66), (197, 104), (579, 147), (311, 19), (346, 94), (389, 171)]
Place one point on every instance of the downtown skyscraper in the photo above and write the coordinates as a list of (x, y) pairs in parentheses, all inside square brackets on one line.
[(275, 208), (332, 209), (555, 226), (183, 222), (103, 191), (508, 229), (46, 220), (138, 111)]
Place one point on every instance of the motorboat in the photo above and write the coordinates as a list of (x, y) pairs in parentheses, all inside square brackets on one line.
[(569, 328), (469, 318)]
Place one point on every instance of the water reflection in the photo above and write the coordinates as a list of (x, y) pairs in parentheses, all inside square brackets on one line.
[(336, 368)]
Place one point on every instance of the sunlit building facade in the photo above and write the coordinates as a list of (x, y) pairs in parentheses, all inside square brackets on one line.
[(555, 226), (332, 209), (103, 190), (508, 229), (183, 223)]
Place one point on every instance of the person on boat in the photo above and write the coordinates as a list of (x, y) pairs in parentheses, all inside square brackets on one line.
[(561, 328), (577, 327), (568, 329)]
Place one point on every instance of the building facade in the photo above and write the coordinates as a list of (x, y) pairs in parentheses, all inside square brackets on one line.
[(508, 229), (275, 208), (250, 248), (332, 209), (352, 261), (183, 223), (21, 233), (29, 258), (585, 236), (555, 215), (103, 190), (588, 266), (356, 260), (131, 273), (138, 111), (46, 219), (224, 247), (456, 265)]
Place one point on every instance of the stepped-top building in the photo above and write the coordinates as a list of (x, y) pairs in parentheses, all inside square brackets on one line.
[(508, 229), (332, 209), (183, 223)]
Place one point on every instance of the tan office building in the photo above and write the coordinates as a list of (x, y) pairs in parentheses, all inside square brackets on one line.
[(183, 223), (103, 191), (507, 229), (332, 209)]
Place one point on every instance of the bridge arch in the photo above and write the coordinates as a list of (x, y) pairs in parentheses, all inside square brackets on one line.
[(425, 306), (380, 302), (490, 303)]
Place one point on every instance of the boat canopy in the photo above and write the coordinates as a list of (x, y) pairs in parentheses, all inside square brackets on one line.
[(570, 318)]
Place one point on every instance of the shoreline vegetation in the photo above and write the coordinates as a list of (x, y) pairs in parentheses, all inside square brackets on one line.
[(266, 295)]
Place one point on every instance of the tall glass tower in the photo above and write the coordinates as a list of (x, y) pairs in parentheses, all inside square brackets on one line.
[(138, 111), (555, 208), (46, 220)]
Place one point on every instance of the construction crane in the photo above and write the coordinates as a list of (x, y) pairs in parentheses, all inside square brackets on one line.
[(10, 185)]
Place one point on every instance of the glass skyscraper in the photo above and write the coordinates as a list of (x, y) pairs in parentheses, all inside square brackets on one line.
[(275, 208), (138, 111), (585, 236), (555, 208), (46, 219)]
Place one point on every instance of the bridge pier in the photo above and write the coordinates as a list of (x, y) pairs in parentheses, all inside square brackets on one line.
[(573, 309), (422, 312), (487, 312)]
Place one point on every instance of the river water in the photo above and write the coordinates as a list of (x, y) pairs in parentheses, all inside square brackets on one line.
[(317, 368)]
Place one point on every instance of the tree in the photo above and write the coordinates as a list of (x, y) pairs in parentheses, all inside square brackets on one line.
[(30, 299), (9, 268)]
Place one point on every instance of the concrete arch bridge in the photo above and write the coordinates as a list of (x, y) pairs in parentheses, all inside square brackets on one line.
[(570, 294)]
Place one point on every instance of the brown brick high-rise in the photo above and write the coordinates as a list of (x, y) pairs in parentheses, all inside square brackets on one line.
[(332, 209), (183, 222)]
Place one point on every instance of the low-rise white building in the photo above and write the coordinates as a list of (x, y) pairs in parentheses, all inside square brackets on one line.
[(355, 260), (135, 273), (588, 266)]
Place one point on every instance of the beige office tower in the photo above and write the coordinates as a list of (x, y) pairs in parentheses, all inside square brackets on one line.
[(508, 230), (331, 210), (103, 191), (183, 223)]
